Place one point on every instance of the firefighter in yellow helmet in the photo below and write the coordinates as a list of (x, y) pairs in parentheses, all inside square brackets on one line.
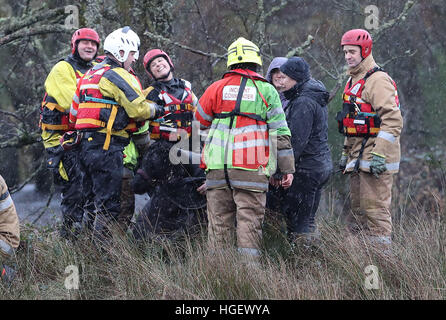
[(60, 86), (245, 117), (9, 231)]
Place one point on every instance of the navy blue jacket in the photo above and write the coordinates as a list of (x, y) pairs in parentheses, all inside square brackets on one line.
[(307, 118)]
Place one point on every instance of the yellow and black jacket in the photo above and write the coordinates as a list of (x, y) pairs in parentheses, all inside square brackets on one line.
[(109, 100), (60, 86)]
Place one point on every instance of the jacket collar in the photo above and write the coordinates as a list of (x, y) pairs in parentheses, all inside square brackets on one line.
[(80, 63), (246, 73), (112, 63), (290, 94), (361, 69)]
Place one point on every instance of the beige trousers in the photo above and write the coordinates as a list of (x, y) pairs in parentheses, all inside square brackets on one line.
[(9, 223), (370, 200), (237, 209)]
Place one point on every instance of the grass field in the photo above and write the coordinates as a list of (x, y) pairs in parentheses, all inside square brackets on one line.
[(336, 268)]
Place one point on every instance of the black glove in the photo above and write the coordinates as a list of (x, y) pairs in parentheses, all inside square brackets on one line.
[(159, 111), (54, 155)]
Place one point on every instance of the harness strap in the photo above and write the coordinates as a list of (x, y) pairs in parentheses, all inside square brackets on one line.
[(46, 126), (110, 122), (237, 111), (93, 99), (361, 151)]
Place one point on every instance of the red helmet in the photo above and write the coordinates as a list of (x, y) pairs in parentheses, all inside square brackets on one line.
[(84, 34), (155, 53), (358, 37)]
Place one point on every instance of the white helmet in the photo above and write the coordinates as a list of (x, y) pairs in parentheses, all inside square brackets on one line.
[(123, 39)]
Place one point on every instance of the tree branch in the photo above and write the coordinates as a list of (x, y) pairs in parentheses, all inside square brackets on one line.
[(32, 32), (20, 141), (402, 17), (43, 14), (273, 10), (182, 46), (406, 54), (300, 50), (11, 114)]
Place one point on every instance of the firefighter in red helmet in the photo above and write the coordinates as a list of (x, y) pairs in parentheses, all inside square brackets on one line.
[(60, 86), (171, 130), (371, 122)]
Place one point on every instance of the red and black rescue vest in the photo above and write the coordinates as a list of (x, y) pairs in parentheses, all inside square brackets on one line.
[(178, 114), (54, 117), (358, 118), (95, 111)]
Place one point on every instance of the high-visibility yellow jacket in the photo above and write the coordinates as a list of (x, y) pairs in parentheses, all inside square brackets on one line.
[(9, 222), (115, 87), (240, 139), (60, 86)]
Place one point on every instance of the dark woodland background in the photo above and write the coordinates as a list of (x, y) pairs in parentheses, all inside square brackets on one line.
[(409, 43)]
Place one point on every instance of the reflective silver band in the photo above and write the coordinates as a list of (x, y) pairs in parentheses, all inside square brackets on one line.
[(386, 136), (366, 164), (5, 248)]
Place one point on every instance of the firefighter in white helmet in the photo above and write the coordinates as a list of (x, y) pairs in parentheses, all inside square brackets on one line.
[(107, 106)]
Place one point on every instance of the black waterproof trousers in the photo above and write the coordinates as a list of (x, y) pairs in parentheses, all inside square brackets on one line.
[(102, 180), (300, 202), (73, 201)]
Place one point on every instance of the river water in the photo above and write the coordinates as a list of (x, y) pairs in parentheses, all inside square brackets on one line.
[(31, 204)]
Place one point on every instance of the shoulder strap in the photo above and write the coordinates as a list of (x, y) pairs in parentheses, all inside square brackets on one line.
[(372, 71), (233, 113), (236, 110), (240, 95)]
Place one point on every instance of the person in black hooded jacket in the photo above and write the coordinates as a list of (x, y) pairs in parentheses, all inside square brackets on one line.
[(307, 118)]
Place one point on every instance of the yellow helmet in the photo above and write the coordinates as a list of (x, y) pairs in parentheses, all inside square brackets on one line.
[(243, 51)]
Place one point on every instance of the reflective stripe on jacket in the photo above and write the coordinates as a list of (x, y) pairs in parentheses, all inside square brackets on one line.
[(178, 112), (9, 222), (245, 145), (379, 91)]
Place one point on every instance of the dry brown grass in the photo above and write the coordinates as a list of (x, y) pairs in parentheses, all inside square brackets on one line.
[(335, 269)]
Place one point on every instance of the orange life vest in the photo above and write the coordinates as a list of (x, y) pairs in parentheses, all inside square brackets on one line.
[(358, 118), (95, 111), (178, 115)]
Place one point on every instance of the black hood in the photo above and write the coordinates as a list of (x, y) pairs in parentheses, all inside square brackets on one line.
[(174, 87), (311, 88), (76, 58), (78, 63)]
